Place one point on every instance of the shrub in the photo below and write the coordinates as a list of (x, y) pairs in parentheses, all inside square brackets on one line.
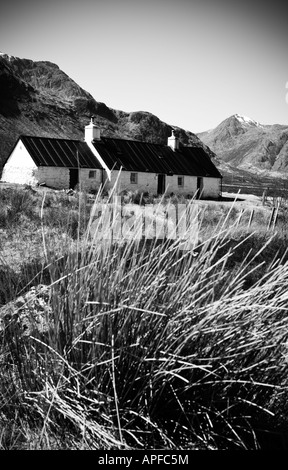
[(16, 203)]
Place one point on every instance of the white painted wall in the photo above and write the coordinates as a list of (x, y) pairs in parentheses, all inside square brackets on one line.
[(146, 181), (20, 168), (189, 187), (87, 183), (59, 178), (149, 182), (211, 187)]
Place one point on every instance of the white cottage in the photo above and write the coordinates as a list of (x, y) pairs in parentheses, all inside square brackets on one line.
[(96, 161)]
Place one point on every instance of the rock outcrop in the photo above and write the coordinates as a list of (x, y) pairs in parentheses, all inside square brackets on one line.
[(28, 314)]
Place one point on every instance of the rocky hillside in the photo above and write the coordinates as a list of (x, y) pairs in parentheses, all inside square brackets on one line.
[(37, 98), (247, 144)]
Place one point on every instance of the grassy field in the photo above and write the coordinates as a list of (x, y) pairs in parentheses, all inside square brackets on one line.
[(251, 184), (144, 345)]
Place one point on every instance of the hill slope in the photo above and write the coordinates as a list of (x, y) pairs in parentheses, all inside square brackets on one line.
[(247, 144), (37, 98)]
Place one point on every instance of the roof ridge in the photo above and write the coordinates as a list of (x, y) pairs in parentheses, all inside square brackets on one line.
[(109, 138), (132, 140), (47, 137), (151, 143)]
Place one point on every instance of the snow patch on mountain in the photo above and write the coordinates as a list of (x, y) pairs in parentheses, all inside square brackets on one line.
[(246, 120)]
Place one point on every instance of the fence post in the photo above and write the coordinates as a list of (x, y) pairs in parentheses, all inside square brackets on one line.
[(271, 217), (264, 196)]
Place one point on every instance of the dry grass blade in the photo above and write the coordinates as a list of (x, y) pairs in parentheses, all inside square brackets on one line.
[(150, 345)]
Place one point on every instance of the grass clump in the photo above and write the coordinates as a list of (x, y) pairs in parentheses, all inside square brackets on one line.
[(150, 346), (16, 204)]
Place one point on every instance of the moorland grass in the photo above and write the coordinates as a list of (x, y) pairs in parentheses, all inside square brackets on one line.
[(150, 346)]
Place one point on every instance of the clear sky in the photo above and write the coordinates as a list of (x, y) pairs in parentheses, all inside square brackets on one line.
[(193, 63)]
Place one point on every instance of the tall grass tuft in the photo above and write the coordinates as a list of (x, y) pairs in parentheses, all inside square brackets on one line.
[(150, 346)]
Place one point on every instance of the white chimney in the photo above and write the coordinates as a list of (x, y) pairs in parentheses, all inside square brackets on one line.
[(92, 132), (173, 141)]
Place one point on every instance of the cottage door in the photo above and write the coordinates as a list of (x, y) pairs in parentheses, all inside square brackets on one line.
[(199, 187), (73, 177), (161, 184)]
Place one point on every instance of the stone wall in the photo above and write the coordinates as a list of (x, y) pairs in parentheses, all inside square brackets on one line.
[(53, 177)]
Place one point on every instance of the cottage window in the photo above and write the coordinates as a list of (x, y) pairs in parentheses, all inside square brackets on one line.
[(181, 181), (134, 178), (92, 174)]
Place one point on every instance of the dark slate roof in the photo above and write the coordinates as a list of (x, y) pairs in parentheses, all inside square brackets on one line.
[(156, 158), (131, 155), (47, 151)]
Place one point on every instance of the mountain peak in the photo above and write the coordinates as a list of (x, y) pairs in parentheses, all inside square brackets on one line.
[(245, 120), (245, 143)]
